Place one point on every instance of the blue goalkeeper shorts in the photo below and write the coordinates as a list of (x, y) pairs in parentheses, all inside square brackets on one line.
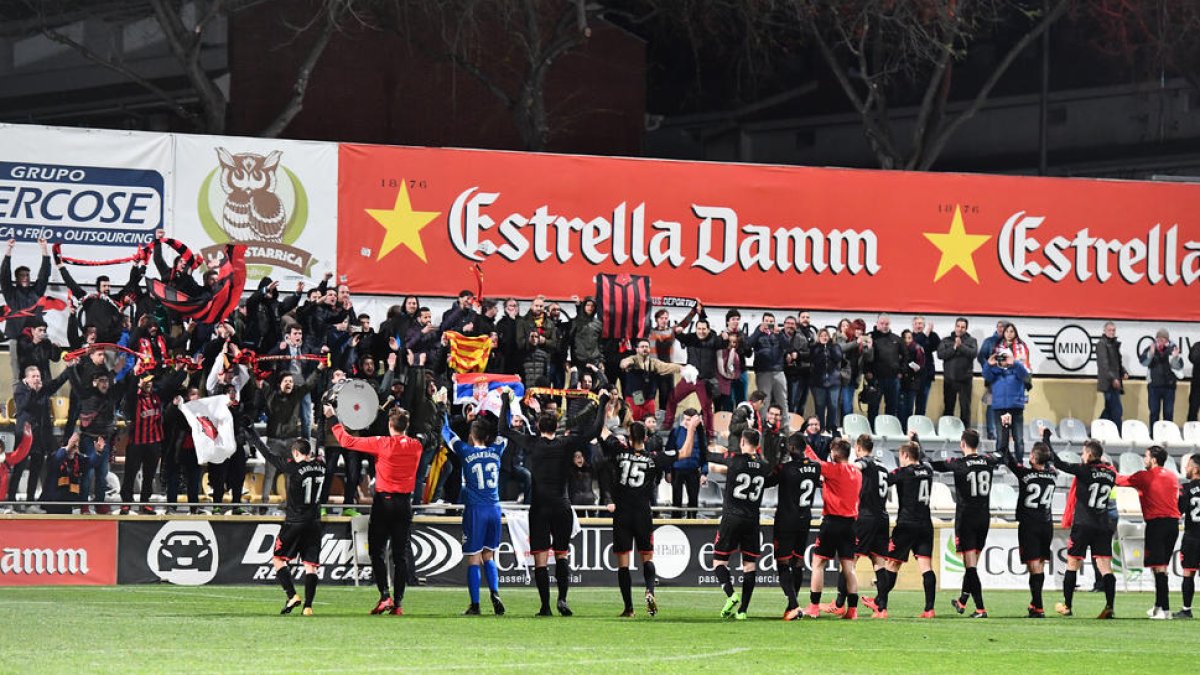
[(481, 528)]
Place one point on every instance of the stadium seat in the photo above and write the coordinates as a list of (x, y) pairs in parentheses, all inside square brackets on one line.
[(1064, 479), (710, 494), (940, 498), (1072, 430), (1168, 435), (924, 427), (770, 497), (59, 405), (1191, 433), (855, 425), (1004, 497), (1031, 430), (1130, 462), (9, 414), (1172, 466), (1128, 503), (1135, 434), (887, 458), (721, 425), (1106, 432), (888, 428), (1132, 550), (950, 428)]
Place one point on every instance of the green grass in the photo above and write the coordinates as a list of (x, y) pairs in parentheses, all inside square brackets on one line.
[(166, 629)]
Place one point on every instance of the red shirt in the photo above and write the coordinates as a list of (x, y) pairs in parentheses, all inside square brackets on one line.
[(843, 481), (1158, 490), (396, 458), (13, 458)]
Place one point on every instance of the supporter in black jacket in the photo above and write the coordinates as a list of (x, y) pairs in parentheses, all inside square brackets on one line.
[(34, 348), (264, 312), (881, 366), (103, 308), (20, 292)]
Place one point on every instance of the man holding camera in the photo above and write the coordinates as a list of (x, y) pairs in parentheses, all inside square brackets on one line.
[(1006, 376)]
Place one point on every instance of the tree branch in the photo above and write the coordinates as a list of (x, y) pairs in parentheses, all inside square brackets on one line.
[(300, 86)]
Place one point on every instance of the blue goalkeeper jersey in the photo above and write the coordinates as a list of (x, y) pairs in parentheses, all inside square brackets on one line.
[(480, 468)]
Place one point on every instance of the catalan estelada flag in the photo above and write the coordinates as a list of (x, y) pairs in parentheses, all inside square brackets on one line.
[(468, 354)]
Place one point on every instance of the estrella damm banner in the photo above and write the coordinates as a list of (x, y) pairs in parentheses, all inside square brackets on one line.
[(414, 220)]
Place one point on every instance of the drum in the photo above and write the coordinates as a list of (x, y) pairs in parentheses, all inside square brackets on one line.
[(356, 403)]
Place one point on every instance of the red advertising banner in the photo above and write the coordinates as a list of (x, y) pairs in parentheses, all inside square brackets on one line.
[(58, 552), (413, 220)]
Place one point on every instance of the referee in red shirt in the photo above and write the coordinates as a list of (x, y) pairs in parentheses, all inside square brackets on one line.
[(1158, 490), (396, 458), (843, 481)]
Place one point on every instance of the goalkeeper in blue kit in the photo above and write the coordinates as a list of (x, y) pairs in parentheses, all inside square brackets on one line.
[(481, 507)]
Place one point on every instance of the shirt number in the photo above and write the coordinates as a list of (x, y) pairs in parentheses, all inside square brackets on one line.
[(633, 474), (312, 489), (748, 487), (486, 476), (1195, 513), (980, 482), (1037, 496), (807, 489), (923, 489), (1097, 496), (883, 484)]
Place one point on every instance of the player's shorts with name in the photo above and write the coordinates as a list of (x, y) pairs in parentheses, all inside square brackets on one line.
[(550, 524), (871, 536), (633, 527), (971, 531), (302, 540), (1161, 535), (1033, 539), (914, 538), (836, 538), (1084, 537), (1189, 552), (481, 528), (737, 534), (791, 537)]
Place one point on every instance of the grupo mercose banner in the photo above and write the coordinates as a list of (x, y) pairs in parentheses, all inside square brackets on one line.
[(412, 220)]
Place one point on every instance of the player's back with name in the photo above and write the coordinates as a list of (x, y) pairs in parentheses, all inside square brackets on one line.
[(914, 485), (481, 472), (1189, 507), (746, 478), (972, 483), (872, 500), (635, 473), (799, 481), (304, 481), (1094, 483), (1035, 496)]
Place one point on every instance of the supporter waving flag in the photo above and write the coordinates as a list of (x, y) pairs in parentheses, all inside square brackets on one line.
[(216, 304), (468, 354), (625, 305)]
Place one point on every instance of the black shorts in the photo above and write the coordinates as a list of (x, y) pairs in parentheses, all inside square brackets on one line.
[(1033, 540), (791, 539), (550, 526), (1161, 535), (300, 539), (1189, 553), (630, 529), (737, 534), (871, 536), (970, 533), (913, 538), (1083, 538), (836, 538)]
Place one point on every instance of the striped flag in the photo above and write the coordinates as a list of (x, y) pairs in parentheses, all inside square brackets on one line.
[(625, 309), (468, 354), (231, 280)]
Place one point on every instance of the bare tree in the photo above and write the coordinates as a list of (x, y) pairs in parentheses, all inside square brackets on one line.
[(1160, 34), (877, 49), (185, 34)]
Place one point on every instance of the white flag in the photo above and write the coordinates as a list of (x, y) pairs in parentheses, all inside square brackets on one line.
[(212, 428), (518, 532)]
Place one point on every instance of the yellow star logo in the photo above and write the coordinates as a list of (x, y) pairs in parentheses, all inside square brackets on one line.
[(403, 225), (957, 248)]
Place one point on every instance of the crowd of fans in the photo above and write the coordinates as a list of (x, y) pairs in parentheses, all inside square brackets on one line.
[(678, 376)]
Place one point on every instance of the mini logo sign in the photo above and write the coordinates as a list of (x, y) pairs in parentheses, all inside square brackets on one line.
[(1072, 347), (184, 553), (256, 200)]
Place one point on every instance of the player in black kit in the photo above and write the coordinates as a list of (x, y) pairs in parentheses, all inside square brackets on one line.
[(1089, 523), (972, 514), (914, 527), (747, 475), (799, 480), (1189, 550), (1035, 520), (301, 533), (871, 526), (550, 517), (631, 484)]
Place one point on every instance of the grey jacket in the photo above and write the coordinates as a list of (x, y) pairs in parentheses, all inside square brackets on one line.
[(1108, 363), (958, 363)]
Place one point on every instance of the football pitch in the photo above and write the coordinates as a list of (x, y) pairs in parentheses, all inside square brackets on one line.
[(238, 629)]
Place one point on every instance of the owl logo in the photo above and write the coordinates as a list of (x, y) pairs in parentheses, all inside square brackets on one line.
[(253, 211)]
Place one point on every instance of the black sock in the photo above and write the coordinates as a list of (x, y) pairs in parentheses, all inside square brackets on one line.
[(852, 599), (748, 581), (1162, 596), (797, 575), (814, 597), (840, 600), (976, 587), (725, 579), (626, 584), (1189, 590), (1110, 589), (562, 574), (788, 584), (967, 586), (284, 575), (1069, 586), (889, 580), (881, 580), (541, 576), (648, 575), (1036, 581), (930, 580), (310, 589)]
